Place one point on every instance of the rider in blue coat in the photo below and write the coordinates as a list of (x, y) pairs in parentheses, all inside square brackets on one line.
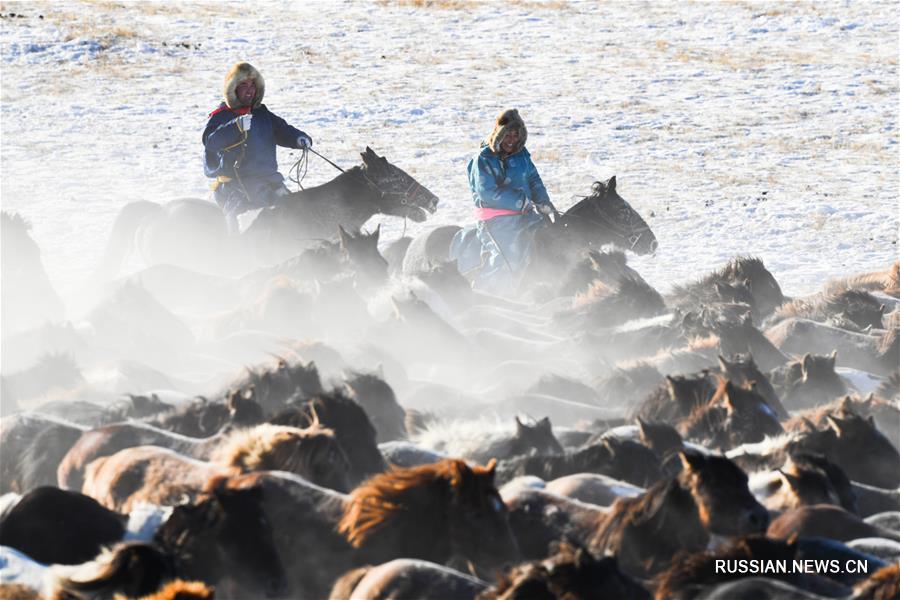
[(510, 204), (240, 139)]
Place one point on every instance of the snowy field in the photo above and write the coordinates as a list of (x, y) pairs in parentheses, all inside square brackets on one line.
[(763, 128)]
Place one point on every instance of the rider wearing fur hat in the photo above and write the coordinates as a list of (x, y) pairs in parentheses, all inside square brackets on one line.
[(240, 139), (510, 199)]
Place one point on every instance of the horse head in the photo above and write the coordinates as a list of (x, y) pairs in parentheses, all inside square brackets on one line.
[(361, 251), (225, 534), (434, 512), (606, 212), (536, 438), (400, 194), (720, 490), (479, 523)]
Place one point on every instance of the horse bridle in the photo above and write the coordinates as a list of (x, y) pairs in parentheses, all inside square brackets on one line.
[(404, 196), (630, 237)]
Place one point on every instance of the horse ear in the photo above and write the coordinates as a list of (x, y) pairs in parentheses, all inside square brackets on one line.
[(345, 238), (545, 423), (670, 386), (611, 185), (805, 365), (379, 370), (791, 481), (836, 424), (691, 461), (846, 404), (881, 309), (348, 389), (491, 467), (833, 358), (871, 421), (519, 426), (642, 427), (315, 422), (723, 363), (729, 394), (376, 234)]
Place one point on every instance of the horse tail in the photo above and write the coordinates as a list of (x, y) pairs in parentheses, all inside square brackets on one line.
[(343, 588), (133, 568), (122, 239)]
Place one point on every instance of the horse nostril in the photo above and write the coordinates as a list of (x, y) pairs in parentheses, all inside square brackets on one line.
[(653, 246)]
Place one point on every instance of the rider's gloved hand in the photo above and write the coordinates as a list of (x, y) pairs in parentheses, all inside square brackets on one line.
[(304, 141), (546, 208), (244, 122)]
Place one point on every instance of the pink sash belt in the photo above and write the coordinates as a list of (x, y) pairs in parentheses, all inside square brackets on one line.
[(483, 214)]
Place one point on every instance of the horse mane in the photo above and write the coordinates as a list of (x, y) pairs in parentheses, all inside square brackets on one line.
[(598, 190), (115, 569), (736, 269), (883, 584), (638, 510), (273, 447), (384, 498), (180, 589)]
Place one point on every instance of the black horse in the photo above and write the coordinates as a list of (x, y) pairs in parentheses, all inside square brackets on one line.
[(597, 220), (192, 233)]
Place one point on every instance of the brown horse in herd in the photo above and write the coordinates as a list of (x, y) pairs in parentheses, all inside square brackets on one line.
[(437, 512), (162, 476)]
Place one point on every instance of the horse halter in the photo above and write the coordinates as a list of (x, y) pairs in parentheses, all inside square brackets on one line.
[(631, 237)]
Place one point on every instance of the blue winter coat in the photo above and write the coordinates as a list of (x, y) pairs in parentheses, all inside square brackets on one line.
[(256, 179), (508, 183)]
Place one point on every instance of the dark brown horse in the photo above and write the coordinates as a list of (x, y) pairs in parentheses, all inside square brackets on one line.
[(360, 252), (351, 426), (432, 512), (224, 535), (850, 441), (192, 233), (733, 416), (569, 572), (747, 271), (33, 445), (709, 496), (808, 381), (621, 459), (377, 398), (804, 480)]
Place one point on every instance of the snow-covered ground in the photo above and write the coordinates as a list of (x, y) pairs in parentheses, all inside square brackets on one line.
[(759, 128)]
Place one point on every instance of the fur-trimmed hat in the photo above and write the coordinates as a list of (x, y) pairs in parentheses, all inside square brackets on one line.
[(506, 121), (243, 71)]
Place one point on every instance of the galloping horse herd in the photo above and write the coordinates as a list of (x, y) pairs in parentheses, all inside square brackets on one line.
[(298, 411)]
